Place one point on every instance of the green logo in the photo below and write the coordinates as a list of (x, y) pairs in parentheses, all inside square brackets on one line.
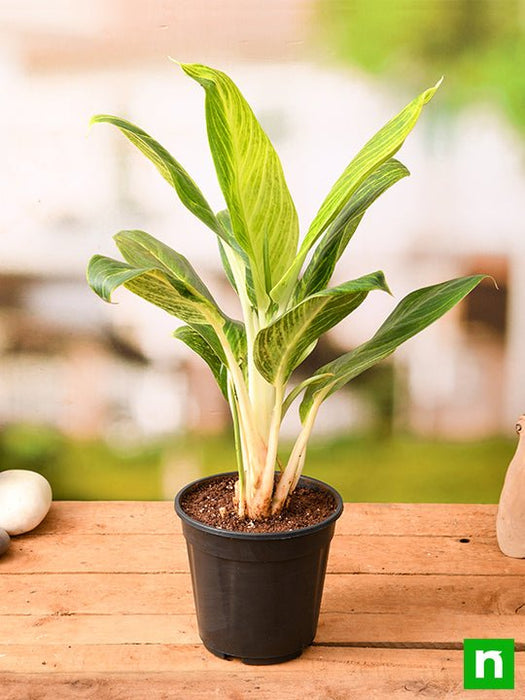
[(488, 663)]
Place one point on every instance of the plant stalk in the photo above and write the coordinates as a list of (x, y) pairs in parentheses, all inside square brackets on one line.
[(239, 452), (261, 506), (291, 474)]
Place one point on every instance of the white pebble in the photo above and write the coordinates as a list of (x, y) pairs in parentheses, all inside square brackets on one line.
[(25, 499)]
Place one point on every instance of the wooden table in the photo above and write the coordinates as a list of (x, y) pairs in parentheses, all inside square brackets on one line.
[(97, 603)]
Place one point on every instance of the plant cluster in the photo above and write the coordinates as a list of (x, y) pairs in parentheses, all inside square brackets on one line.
[(282, 283)]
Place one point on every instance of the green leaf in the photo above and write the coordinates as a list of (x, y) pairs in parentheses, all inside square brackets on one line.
[(224, 218), (170, 169), (209, 335), (380, 148), (320, 269), (226, 266), (194, 340), (104, 275), (154, 285), (263, 216), (239, 257), (142, 250), (413, 314), (225, 221), (281, 346), (235, 335), (294, 393)]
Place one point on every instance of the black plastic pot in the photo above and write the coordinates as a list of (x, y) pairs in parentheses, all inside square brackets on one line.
[(257, 596)]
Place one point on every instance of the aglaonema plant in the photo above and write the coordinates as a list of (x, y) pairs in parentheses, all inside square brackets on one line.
[(282, 283)]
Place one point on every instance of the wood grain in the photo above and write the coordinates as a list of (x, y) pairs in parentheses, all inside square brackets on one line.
[(97, 603), (158, 594), (158, 517), (165, 553), (109, 672)]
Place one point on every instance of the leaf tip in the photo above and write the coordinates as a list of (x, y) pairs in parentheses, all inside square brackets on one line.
[(429, 94), (100, 119), (92, 276), (204, 75), (191, 69), (492, 279), (383, 284)]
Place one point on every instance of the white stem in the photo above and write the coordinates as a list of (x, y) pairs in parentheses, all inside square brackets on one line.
[(273, 437), (246, 418), (259, 409), (239, 450), (296, 460), (299, 469), (259, 391), (261, 503)]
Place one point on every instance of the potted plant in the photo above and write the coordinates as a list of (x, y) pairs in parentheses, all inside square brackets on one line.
[(258, 572)]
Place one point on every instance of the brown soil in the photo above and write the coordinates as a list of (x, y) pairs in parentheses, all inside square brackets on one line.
[(211, 503)]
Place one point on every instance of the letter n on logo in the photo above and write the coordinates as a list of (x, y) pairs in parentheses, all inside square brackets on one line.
[(488, 663)]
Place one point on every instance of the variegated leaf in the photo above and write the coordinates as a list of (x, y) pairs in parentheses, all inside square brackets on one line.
[(196, 342), (170, 169), (104, 275), (263, 216), (382, 146), (281, 346), (154, 285), (413, 314), (142, 250), (333, 244), (238, 255)]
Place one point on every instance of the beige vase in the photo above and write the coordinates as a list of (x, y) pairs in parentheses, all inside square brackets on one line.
[(510, 522)]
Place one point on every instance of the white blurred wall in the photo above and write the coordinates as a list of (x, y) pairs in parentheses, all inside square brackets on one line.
[(66, 189)]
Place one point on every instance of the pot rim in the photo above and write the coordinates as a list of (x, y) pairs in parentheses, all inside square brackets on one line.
[(262, 536)]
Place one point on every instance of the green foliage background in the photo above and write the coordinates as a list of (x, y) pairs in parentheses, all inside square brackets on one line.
[(479, 45), (397, 469)]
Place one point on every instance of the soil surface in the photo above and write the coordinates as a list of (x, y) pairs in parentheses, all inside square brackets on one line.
[(211, 503)]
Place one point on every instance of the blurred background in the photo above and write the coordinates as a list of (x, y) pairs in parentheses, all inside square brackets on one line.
[(100, 398)]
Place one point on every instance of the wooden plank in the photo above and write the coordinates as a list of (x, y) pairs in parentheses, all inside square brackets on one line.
[(342, 628), (385, 554), (423, 629), (158, 517), (418, 520), (101, 629), (110, 517), (97, 602), (162, 671), (101, 658), (94, 552), (99, 593), (421, 555), (456, 595), (103, 594), (85, 608)]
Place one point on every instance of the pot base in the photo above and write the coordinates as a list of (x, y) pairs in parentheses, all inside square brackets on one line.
[(255, 662)]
